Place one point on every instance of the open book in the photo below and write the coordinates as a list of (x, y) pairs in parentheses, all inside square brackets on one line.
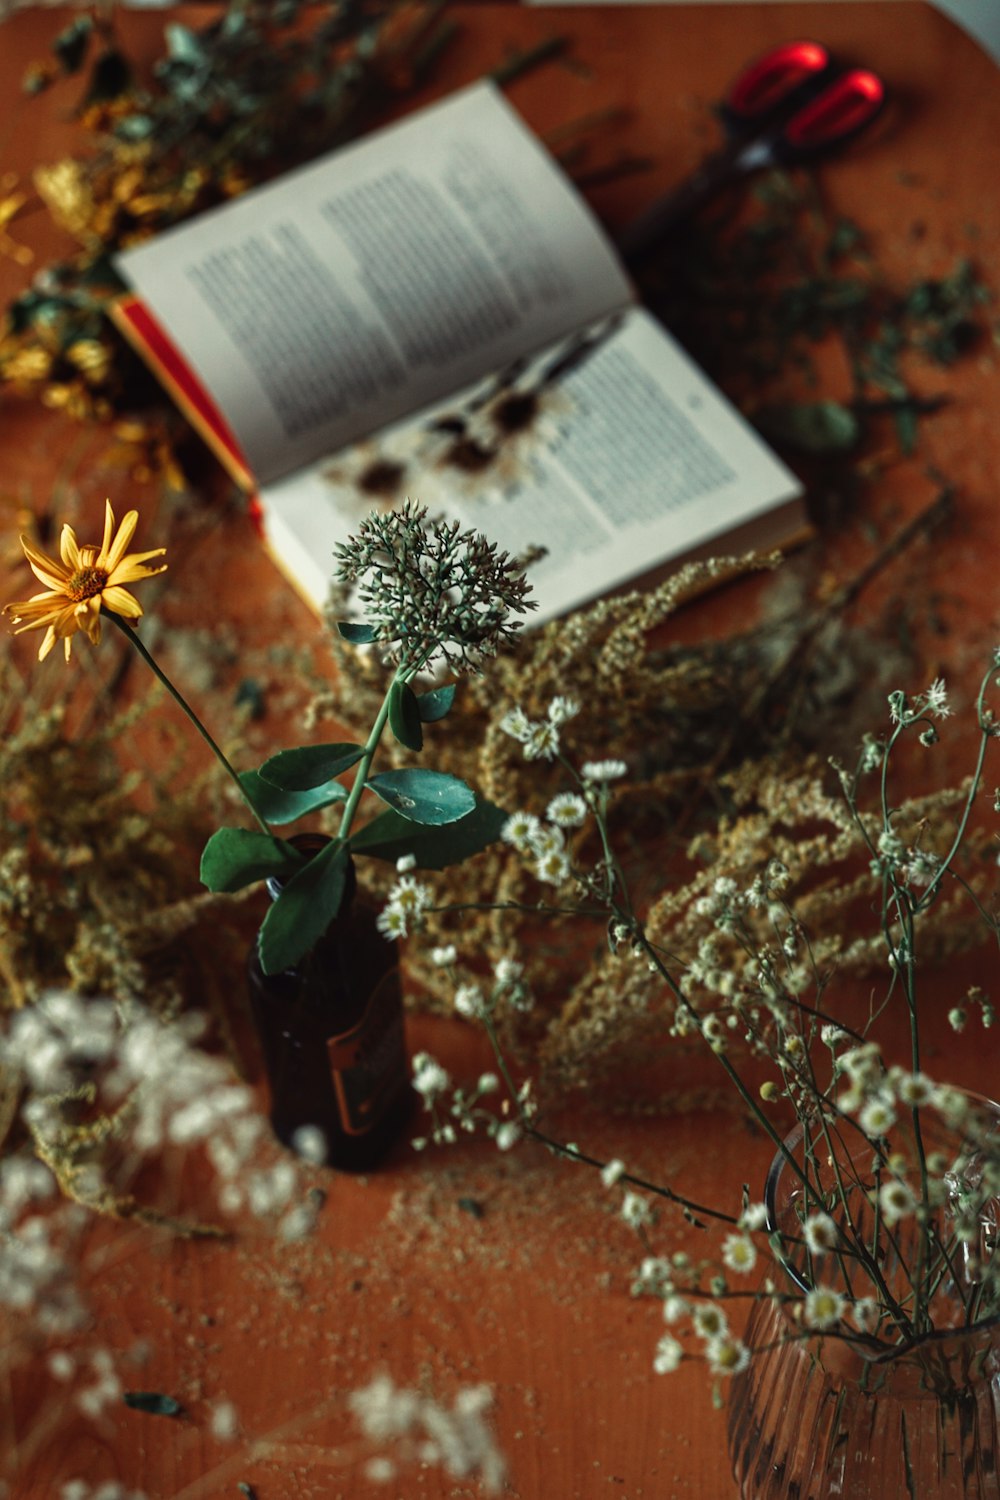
[(434, 311)]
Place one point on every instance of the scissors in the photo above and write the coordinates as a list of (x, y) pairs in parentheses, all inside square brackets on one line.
[(792, 105)]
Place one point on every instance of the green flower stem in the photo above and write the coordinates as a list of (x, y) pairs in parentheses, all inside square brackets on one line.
[(364, 765), (183, 704)]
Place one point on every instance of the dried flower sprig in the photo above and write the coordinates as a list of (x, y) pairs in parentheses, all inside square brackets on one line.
[(895, 1177)]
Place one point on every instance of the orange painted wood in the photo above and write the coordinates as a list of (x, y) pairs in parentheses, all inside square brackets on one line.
[(533, 1297)]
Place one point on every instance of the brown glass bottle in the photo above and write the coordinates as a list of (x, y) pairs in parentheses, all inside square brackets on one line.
[(331, 1032)]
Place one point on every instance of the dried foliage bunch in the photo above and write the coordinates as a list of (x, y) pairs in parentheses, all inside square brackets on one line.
[(266, 84), (889, 1227), (756, 295), (718, 738)]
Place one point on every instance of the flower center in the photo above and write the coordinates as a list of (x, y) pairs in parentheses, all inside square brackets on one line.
[(85, 583)]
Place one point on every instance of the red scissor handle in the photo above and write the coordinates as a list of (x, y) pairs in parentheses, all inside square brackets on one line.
[(851, 102), (771, 81)]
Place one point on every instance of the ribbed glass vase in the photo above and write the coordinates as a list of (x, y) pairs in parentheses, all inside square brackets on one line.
[(822, 1417)]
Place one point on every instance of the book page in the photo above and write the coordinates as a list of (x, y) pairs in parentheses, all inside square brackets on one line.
[(610, 450), (378, 279)]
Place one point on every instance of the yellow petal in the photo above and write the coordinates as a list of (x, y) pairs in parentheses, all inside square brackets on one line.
[(68, 647), (35, 607), (45, 569), (47, 643), (69, 550), (135, 567), (110, 558), (121, 602), (88, 618), (109, 527)]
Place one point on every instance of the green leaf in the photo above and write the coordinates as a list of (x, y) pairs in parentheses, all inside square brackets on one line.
[(184, 45), (235, 857), (276, 806), (810, 426), (153, 1402), (404, 716), (435, 705), (357, 633), (424, 796), (309, 766), (390, 836), (304, 910), (70, 46)]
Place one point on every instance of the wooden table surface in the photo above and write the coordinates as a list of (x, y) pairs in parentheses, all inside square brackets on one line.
[(532, 1297)]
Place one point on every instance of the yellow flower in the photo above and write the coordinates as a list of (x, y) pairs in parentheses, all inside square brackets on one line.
[(86, 578)]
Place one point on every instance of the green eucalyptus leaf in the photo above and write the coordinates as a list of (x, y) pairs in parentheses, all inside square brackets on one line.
[(153, 1402), (435, 704), (309, 766), (184, 45), (357, 633), (404, 716), (70, 46), (303, 910), (424, 796), (390, 836), (810, 426), (276, 806), (235, 857)]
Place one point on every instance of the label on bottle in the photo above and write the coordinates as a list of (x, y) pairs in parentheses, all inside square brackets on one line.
[(368, 1063)]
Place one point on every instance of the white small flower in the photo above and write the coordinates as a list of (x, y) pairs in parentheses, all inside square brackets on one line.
[(635, 1210), (739, 1253), (823, 1308), (405, 863), (567, 810), (913, 1089), (521, 829), (549, 840), (877, 1117), (668, 1356), (508, 1135), (543, 742), (710, 1321), (957, 1017), (897, 1200), (429, 1078), (561, 709), (411, 896), (936, 699), (820, 1234), (391, 922), (864, 1312), (469, 1001), (553, 868), (517, 724), (604, 770), (488, 1083), (612, 1171), (727, 1356), (754, 1216), (507, 971), (675, 1307)]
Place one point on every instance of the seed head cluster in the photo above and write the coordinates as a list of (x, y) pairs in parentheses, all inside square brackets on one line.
[(430, 590)]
